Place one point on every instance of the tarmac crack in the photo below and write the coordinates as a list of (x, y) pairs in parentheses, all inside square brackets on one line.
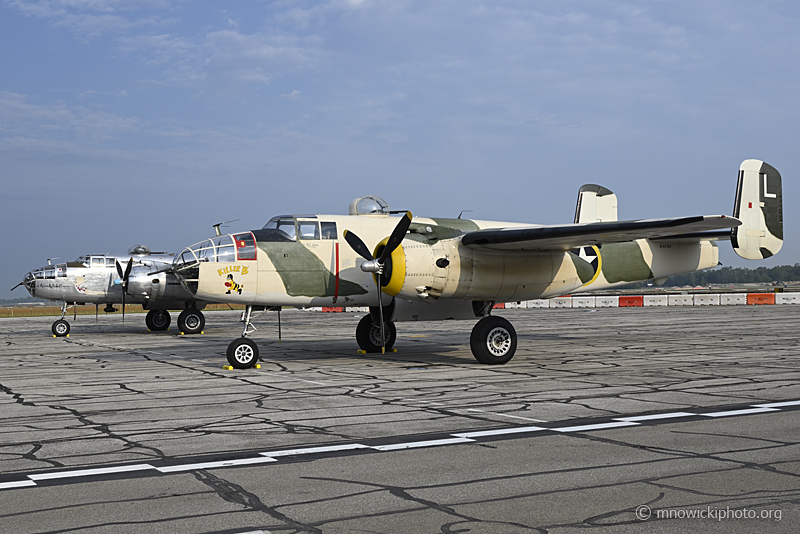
[(236, 494)]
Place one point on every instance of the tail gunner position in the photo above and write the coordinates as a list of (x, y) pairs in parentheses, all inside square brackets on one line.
[(420, 269)]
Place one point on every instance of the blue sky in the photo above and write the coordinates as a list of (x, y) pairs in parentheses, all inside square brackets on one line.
[(147, 121)]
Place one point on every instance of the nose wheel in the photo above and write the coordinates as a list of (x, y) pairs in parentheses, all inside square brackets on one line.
[(60, 328), (242, 353), (493, 341)]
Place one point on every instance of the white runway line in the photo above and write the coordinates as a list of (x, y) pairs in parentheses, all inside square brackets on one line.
[(415, 444), (213, 465), (499, 432), (598, 426), (654, 416), (91, 472), (18, 484), (740, 412), (777, 404), (314, 450)]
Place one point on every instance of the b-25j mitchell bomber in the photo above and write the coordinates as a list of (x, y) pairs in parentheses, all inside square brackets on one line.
[(417, 269), (141, 277)]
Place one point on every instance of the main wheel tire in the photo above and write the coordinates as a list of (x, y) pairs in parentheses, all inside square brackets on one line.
[(191, 321), (157, 320), (60, 328), (493, 341), (242, 353), (368, 334)]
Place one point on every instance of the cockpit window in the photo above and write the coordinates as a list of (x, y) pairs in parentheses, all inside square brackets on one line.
[(329, 230), (61, 270), (98, 262), (308, 229), (246, 246), (282, 224)]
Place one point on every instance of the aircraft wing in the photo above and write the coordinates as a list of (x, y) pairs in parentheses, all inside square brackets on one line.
[(571, 236)]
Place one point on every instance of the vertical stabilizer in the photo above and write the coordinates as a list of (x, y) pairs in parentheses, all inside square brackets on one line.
[(595, 204), (759, 205)]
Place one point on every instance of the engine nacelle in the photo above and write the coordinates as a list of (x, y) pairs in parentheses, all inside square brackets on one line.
[(158, 290), (445, 268)]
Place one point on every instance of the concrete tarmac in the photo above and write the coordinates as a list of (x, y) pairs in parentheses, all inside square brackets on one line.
[(617, 419)]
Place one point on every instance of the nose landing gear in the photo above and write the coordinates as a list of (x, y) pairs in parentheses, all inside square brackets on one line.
[(243, 353)]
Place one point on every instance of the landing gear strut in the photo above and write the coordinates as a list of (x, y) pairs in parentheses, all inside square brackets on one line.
[(243, 353), (493, 341), (60, 328), (157, 320)]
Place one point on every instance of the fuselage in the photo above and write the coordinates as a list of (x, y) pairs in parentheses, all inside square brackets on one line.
[(94, 279), (304, 261)]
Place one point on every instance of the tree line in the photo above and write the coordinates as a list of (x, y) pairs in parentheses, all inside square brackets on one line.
[(737, 275)]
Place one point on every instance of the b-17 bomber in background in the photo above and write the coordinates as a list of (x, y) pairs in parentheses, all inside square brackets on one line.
[(419, 269), (140, 277)]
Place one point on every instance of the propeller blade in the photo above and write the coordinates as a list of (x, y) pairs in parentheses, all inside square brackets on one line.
[(119, 270), (357, 245), (397, 236), (128, 272), (380, 307)]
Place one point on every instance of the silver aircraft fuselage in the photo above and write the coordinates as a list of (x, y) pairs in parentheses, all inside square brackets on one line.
[(94, 279)]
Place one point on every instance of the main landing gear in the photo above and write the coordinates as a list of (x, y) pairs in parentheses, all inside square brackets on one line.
[(368, 334), (157, 320), (493, 340), (190, 321)]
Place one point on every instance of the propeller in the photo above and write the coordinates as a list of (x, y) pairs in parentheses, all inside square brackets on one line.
[(375, 265), (124, 281)]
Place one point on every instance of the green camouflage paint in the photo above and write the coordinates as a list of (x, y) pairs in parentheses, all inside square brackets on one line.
[(583, 267), (624, 262), (304, 274)]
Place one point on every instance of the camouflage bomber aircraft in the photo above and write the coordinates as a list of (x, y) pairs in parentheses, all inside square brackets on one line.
[(436, 268), (102, 279)]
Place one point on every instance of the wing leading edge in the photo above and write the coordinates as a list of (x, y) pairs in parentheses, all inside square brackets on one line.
[(570, 236)]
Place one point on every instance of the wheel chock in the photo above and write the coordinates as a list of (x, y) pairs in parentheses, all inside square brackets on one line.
[(392, 350), (227, 367), (181, 333), (257, 366), (357, 352)]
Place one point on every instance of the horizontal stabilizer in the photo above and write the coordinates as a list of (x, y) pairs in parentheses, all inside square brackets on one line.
[(759, 205)]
